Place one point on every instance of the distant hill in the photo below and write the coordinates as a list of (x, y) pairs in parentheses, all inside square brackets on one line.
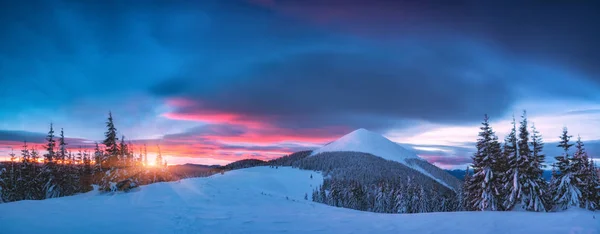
[(289, 160), (193, 170), (244, 163)]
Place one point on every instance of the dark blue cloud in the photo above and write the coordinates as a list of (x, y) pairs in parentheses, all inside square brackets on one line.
[(297, 64)]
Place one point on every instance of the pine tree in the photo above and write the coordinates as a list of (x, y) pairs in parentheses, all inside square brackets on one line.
[(594, 186), (25, 156), (87, 172), (51, 187), (566, 193), (527, 191), (159, 159), (97, 165), (112, 174), (49, 156), (131, 155), (541, 199), (485, 186), (62, 154), (145, 156), (582, 167), (8, 181), (158, 162), (23, 177), (466, 197), (123, 153), (511, 171), (98, 158), (63, 173), (36, 182), (110, 141)]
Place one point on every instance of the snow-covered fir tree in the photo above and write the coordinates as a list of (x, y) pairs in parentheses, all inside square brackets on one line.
[(62, 147), (532, 192), (110, 142), (98, 160), (541, 199), (485, 183), (36, 180), (582, 167), (8, 180), (50, 154), (566, 192), (50, 172), (594, 186), (466, 197), (112, 165), (510, 172), (86, 172)]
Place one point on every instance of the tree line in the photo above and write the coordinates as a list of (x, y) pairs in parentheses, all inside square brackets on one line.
[(62, 172), (509, 176)]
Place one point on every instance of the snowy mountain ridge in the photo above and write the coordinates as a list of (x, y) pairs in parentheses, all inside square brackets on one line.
[(365, 141)]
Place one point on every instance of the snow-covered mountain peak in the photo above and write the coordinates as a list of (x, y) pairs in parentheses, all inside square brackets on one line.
[(365, 141)]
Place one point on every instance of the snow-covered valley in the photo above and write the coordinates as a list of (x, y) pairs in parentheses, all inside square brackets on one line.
[(258, 200)]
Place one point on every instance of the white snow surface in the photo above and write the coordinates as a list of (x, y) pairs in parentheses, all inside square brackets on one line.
[(365, 141), (254, 200)]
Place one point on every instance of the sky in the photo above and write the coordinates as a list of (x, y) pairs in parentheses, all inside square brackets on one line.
[(217, 81)]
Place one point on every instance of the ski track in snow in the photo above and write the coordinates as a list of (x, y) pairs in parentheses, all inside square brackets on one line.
[(258, 200)]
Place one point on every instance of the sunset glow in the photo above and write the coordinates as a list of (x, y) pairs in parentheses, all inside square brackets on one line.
[(278, 77)]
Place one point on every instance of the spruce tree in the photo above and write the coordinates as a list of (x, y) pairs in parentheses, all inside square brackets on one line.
[(62, 154), (466, 197), (50, 172), (49, 156), (8, 180), (158, 162), (110, 141), (566, 192), (594, 186), (541, 199), (582, 167), (485, 186), (36, 183), (63, 172), (159, 159), (511, 171), (86, 173), (145, 156), (22, 173), (131, 155), (526, 190), (123, 151), (98, 158), (112, 176)]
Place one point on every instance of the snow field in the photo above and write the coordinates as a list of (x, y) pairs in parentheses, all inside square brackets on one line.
[(258, 200)]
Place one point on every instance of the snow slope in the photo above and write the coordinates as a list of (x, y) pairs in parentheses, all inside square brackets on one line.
[(253, 200), (365, 141)]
